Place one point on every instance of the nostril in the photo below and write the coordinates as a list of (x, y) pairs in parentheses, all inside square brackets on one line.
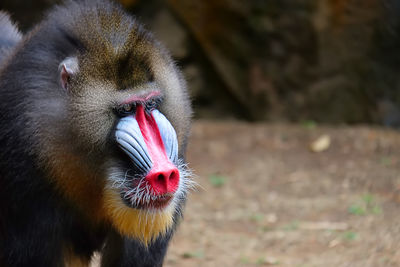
[(167, 176), (173, 175)]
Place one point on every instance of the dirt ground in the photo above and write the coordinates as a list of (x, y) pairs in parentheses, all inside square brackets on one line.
[(266, 199)]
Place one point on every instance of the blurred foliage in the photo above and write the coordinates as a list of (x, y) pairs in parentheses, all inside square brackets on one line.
[(294, 60), (217, 181)]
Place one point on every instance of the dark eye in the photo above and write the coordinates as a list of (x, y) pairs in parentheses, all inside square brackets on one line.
[(126, 109), (152, 104)]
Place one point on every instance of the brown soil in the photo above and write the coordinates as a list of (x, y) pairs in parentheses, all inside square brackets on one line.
[(266, 199)]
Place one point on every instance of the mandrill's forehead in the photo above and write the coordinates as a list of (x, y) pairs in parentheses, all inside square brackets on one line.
[(116, 49), (123, 68)]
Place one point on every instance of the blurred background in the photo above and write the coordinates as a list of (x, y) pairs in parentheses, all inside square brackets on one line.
[(294, 142)]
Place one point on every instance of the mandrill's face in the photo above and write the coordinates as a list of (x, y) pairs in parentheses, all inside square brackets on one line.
[(147, 181), (128, 113), (149, 140)]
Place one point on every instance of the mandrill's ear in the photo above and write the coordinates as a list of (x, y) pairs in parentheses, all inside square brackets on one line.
[(67, 68)]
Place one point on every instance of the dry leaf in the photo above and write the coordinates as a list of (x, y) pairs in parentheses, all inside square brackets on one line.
[(322, 143)]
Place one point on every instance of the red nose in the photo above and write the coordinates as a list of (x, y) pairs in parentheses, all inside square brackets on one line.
[(163, 179), (163, 176)]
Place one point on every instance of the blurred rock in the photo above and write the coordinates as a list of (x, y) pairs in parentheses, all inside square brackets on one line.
[(27, 12), (173, 35), (336, 99), (389, 113), (281, 59)]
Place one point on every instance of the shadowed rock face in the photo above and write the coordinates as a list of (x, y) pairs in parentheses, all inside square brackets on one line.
[(291, 59), (27, 13)]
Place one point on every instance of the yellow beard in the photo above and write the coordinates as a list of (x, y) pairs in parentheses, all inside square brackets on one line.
[(139, 224)]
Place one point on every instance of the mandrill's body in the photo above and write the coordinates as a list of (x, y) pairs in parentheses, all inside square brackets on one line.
[(94, 119)]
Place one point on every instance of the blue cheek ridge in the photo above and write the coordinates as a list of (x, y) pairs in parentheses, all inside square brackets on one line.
[(130, 140), (168, 135)]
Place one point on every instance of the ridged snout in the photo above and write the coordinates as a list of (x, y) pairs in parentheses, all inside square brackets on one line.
[(151, 143)]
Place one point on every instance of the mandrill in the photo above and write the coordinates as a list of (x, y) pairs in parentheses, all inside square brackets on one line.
[(94, 118)]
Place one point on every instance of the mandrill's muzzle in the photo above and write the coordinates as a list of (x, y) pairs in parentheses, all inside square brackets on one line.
[(150, 141)]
